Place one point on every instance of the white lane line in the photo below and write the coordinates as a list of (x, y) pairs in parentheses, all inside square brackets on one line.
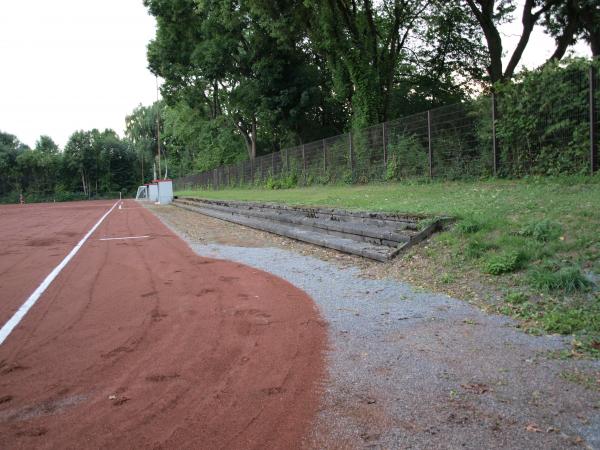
[(33, 298), (124, 237)]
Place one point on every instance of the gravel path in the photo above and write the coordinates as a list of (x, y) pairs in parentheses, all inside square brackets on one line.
[(410, 369)]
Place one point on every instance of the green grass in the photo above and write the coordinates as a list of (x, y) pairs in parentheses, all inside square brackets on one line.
[(536, 237)]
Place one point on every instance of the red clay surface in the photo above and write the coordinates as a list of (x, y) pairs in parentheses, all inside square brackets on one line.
[(33, 240), (143, 344)]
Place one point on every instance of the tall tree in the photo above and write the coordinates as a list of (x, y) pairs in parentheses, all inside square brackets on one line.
[(233, 59), (46, 145), (141, 128), (10, 149), (371, 46), (98, 162)]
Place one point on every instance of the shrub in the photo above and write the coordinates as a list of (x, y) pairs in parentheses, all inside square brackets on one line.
[(542, 231), (515, 298), (283, 182), (540, 129), (406, 157), (505, 263)]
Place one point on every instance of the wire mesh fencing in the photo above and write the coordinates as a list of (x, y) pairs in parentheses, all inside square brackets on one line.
[(543, 127)]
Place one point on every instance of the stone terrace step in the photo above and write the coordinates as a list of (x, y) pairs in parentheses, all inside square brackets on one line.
[(300, 232)]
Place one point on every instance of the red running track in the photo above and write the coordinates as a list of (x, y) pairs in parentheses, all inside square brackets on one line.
[(34, 239), (140, 343)]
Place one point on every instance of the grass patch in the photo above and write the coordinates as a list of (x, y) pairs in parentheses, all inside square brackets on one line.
[(551, 277), (516, 298), (476, 248), (469, 226), (565, 320)]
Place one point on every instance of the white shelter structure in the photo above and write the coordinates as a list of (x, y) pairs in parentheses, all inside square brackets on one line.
[(165, 191), (153, 192)]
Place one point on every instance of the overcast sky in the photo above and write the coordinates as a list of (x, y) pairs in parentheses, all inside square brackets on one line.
[(67, 65), (72, 64)]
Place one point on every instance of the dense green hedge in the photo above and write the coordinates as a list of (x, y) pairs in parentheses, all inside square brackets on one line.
[(543, 124)]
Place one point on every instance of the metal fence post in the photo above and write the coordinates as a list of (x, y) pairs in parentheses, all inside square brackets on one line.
[(252, 170), (430, 144), (273, 164), (593, 121), (324, 158), (495, 152)]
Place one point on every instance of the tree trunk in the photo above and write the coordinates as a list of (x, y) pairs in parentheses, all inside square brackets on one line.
[(247, 139), (593, 29), (485, 17)]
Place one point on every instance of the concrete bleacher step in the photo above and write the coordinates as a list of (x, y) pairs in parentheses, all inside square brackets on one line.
[(359, 229), (372, 235)]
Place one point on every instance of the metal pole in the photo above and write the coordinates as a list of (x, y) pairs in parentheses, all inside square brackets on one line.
[(495, 152), (430, 144), (324, 158), (157, 129), (593, 121)]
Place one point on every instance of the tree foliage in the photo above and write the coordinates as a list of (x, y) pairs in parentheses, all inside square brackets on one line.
[(92, 164)]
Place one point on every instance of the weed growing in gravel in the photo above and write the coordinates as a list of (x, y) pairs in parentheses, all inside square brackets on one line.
[(447, 278), (586, 379)]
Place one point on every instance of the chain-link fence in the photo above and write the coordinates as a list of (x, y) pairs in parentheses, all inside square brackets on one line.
[(542, 127)]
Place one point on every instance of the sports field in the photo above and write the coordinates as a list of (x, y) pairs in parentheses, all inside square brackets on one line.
[(135, 341)]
